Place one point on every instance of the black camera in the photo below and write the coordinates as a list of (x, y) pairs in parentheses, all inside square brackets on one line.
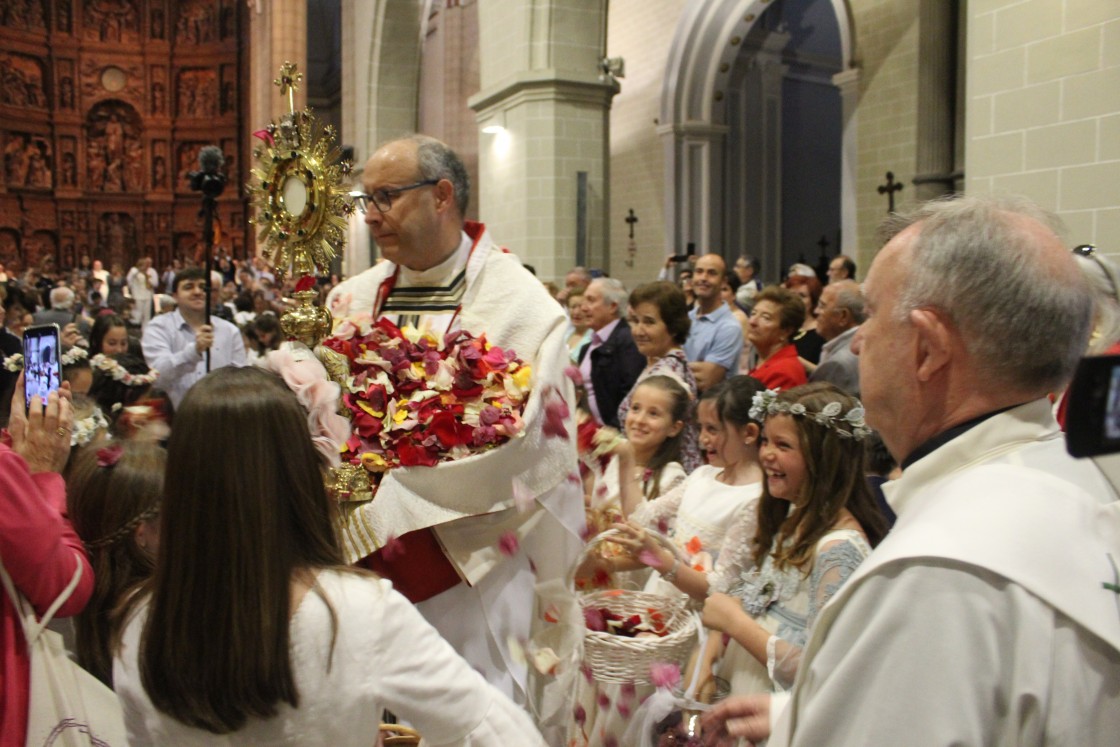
[(689, 251)]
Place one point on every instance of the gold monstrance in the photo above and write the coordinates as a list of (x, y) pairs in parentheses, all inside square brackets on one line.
[(301, 205), (302, 208)]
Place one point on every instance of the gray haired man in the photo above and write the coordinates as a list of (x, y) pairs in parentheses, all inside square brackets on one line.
[(990, 614), (839, 314)]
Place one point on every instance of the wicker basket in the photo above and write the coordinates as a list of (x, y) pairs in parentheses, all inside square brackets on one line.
[(618, 659)]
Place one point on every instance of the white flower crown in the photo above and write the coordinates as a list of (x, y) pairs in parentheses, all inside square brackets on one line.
[(14, 363), (766, 403), (119, 373), (74, 354), (86, 428)]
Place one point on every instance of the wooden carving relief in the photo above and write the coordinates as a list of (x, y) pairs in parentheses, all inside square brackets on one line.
[(28, 161), (114, 157), (111, 21), (21, 81), (23, 15), (116, 238), (197, 93), (115, 98), (199, 22)]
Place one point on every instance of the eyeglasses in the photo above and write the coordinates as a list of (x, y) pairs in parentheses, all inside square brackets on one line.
[(1089, 252), (382, 199)]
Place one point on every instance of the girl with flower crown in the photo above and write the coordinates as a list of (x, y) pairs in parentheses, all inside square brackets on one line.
[(122, 388), (816, 522), (113, 495), (695, 515)]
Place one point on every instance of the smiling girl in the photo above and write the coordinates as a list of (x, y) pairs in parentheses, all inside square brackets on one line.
[(649, 458), (659, 323), (696, 515), (816, 521)]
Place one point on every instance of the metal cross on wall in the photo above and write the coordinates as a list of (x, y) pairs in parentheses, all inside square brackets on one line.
[(631, 247), (889, 189)]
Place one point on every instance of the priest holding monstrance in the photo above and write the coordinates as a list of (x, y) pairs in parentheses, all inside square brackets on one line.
[(460, 413)]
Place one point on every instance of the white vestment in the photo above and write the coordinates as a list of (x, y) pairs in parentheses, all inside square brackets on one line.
[(469, 503), (982, 618)]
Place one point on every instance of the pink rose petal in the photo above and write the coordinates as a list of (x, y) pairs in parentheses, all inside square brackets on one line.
[(508, 544), (667, 676), (393, 549)]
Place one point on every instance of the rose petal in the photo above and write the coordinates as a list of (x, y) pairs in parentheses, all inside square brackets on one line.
[(663, 675), (508, 544)]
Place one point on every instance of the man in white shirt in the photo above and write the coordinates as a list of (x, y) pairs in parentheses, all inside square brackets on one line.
[(175, 344), (990, 615), (142, 281)]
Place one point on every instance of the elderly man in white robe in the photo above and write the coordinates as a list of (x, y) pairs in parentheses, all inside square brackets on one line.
[(446, 520), (990, 614)]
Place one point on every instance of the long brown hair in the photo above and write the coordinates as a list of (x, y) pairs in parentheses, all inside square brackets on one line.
[(244, 510), (107, 500), (834, 480)]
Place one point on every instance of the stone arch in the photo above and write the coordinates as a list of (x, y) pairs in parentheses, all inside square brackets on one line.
[(693, 114)]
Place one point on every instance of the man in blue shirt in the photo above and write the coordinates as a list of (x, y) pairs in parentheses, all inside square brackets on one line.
[(716, 339)]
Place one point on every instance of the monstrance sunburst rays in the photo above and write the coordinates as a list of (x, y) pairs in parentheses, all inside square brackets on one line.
[(297, 189)]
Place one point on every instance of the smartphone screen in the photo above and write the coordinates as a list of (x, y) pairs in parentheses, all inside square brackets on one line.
[(42, 369)]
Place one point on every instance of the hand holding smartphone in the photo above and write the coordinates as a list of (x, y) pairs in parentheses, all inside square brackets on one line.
[(42, 366)]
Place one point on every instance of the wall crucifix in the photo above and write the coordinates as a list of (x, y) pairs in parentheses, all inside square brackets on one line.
[(889, 189)]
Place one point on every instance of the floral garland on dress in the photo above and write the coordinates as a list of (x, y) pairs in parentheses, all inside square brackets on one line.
[(848, 424), (117, 372)]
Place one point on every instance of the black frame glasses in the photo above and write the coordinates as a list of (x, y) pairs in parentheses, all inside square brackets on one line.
[(382, 199), (1089, 252)]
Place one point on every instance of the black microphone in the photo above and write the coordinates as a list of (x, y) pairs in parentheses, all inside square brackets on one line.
[(209, 179)]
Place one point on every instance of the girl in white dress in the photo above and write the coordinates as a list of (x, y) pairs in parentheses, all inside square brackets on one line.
[(694, 515), (650, 453), (252, 630), (816, 521), (697, 515)]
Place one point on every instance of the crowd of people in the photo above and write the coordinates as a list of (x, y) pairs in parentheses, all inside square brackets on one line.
[(861, 489)]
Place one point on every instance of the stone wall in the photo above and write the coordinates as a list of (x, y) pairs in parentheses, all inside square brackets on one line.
[(1044, 108)]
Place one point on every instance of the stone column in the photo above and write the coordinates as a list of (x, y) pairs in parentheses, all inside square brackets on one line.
[(544, 104), (380, 74), (279, 35), (937, 98), (848, 83)]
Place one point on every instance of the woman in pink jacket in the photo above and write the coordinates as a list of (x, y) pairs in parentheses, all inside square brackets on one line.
[(38, 546)]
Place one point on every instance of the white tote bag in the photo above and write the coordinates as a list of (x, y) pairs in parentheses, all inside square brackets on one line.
[(67, 706)]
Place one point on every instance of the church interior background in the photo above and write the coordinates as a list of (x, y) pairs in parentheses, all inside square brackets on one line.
[(607, 134)]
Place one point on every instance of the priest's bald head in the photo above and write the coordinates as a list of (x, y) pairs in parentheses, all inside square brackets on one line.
[(416, 196)]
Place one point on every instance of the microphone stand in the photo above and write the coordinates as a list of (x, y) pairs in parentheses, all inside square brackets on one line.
[(210, 182), (209, 207)]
